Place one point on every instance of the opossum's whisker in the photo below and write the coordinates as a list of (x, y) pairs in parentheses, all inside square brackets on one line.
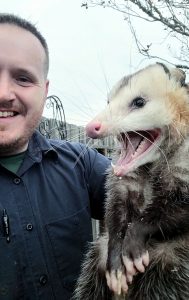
[(105, 77), (115, 139), (83, 109), (84, 151), (179, 132), (91, 141), (78, 131), (183, 124), (50, 130), (110, 112), (126, 134), (75, 137), (169, 136), (161, 231), (183, 111)]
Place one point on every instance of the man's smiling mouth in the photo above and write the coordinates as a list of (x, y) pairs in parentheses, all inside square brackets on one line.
[(5, 114)]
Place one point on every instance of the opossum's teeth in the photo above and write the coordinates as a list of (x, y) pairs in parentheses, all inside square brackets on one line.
[(141, 148), (134, 146)]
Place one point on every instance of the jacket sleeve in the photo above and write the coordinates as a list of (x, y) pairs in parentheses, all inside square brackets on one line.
[(96, 178)]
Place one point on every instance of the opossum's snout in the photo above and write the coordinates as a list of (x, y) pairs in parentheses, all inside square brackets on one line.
[(95, 129)]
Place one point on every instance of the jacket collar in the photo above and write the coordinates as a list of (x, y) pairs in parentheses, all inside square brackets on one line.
[(38, 147)]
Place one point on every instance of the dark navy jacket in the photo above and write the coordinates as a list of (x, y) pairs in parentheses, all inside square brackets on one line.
[(49, 203)]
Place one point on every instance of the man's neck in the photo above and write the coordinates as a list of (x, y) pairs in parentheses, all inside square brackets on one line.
[(6, 152)]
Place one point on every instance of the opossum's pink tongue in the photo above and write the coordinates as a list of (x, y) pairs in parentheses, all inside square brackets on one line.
[(133, 147)]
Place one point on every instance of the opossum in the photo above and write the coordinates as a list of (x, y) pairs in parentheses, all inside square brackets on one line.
[(143, 251)]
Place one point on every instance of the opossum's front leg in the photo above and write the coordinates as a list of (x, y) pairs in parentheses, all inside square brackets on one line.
[(166, 218), (115, 274), (125, 198), (134, 252), (116, 222)]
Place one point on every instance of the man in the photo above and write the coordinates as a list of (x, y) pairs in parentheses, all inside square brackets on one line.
[(48, 189)]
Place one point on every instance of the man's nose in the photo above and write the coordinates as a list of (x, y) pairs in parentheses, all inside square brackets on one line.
[(6, 88)]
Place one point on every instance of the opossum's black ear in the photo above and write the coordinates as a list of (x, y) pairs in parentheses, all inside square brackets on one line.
[(187, 86), (166, 69), (179, 75)]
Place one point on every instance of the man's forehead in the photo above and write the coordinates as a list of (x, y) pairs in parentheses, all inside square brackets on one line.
[(11, 31), (21, 45)]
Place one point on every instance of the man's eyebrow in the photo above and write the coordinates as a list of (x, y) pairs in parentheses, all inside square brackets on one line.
[(24, 72)]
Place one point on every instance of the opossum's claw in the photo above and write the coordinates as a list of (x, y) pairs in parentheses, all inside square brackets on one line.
[(108, 280), (129, 278), (142, 262), (146, 258), (138, 264), (129, 265), (117, 282), (134, 254), (113, 282), (124, 281)]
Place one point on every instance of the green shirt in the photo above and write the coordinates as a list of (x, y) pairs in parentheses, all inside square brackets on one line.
[(13, 162)]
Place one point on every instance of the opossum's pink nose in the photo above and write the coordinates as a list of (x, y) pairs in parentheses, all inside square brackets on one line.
[(93, 129)]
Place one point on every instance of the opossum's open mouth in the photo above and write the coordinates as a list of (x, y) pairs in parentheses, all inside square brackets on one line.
[(134, 146)]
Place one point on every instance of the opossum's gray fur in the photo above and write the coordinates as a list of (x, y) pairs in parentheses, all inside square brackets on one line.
[(154, 196)]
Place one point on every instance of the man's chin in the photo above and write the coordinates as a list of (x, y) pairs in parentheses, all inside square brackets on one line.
[(11, 147), (15, 140)]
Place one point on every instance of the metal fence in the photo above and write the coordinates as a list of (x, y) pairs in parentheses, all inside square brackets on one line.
[(57, 127), (52, 128)]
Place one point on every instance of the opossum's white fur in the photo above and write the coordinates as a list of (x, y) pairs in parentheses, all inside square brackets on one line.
[(158, 88), (155, 188)]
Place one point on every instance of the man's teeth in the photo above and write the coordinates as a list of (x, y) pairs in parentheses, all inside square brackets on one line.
[(5, 114)]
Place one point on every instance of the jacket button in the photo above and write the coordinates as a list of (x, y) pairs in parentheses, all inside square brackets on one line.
[(43, 279), (16, 180), (29, 227)]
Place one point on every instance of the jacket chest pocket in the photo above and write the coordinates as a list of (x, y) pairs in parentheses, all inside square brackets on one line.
[(68, 238)]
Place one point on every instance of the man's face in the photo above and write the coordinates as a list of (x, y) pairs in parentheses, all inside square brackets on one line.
[(23, 87)]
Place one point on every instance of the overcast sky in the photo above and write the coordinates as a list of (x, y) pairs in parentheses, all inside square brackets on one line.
[(89, 51)]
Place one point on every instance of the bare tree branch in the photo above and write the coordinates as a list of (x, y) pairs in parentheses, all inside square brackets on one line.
[(172, 15)]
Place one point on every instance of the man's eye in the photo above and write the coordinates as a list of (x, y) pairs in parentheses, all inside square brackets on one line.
[(23, 80)]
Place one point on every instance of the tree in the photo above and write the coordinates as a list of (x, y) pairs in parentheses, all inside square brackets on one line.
[(172, 15)]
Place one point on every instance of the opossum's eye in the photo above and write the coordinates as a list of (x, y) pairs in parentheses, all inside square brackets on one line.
[(138, 102)]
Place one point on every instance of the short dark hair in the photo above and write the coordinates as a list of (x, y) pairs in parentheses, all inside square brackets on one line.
[(22, 23)]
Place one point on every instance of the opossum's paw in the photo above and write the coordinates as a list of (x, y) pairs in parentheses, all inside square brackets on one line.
[(136, 264), (117, 279), (117, 282), (134, 254)]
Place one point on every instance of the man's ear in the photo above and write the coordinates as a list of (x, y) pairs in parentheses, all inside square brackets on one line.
[(46, 88)]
